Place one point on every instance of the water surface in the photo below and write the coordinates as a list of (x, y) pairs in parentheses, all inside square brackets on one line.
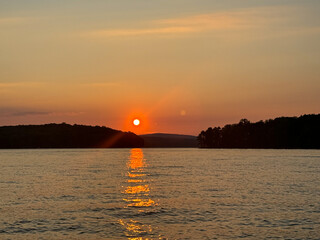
[(159, 194)]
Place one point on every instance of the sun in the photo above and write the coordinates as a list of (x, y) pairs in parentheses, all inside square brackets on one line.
[(136, 122)]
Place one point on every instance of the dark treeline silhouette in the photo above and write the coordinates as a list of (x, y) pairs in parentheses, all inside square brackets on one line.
[(66, 136), (285, 132)]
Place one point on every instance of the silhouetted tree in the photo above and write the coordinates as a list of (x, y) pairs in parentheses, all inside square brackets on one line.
[(283, 132)]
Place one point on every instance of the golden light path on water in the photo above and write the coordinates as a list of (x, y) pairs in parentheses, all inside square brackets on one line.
[(137, 195)]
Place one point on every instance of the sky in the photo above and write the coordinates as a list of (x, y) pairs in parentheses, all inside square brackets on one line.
[(180, 66)]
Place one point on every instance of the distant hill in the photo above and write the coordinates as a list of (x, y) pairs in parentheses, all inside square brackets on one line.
[(284, 132), (164, 140), (66, 136)]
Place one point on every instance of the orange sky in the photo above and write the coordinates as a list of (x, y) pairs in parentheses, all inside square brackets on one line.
[(180, 65)]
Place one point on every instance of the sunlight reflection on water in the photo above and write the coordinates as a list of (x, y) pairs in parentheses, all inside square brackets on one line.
[(137, 194)]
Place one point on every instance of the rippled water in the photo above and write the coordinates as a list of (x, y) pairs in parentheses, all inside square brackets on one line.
[(159, 194)]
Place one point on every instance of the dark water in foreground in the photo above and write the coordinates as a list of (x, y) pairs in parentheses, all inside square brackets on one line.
[(159, 194)]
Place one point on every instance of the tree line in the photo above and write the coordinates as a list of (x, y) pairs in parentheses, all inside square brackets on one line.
[(66, 136), (284, 132)]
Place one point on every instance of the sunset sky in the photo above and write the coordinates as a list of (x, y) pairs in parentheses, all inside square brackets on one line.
[(179, 66)]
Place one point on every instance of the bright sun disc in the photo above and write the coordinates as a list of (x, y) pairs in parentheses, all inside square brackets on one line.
[(136, 122)]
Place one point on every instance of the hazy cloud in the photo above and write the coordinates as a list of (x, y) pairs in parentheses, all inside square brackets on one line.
[(232, 20), (15, 20), (18, 84), (101, 84), (140, 31), (8, 112), (20, 112)]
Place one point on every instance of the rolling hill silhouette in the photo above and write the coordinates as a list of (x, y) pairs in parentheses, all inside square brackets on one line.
[(66, 136), (165, 140)]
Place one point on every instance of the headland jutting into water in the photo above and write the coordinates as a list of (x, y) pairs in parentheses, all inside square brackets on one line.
[(66, 136)]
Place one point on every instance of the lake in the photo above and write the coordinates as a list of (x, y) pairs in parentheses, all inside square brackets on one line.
[(159, 194)]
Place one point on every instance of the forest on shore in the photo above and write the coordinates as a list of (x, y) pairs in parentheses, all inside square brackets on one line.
[(280, 133), (66, 136)]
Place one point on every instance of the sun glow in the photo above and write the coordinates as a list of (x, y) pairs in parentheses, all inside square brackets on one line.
[(136, 122)]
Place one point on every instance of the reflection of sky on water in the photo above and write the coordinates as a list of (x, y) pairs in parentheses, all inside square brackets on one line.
[(137, 195), (197, 194)]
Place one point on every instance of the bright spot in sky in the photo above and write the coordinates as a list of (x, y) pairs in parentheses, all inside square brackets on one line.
[(183, 112), (136, 122)]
